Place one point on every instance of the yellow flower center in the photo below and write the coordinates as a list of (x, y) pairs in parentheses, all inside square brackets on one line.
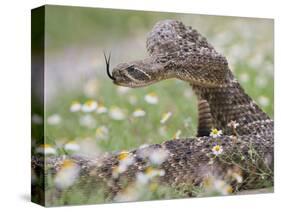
[(67, 164), (215, 131), (89, 103), (148, 170), (123, 155), (217, 148), (152, 94)]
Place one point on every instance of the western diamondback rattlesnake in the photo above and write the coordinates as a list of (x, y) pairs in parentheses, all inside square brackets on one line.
[(177, 51)]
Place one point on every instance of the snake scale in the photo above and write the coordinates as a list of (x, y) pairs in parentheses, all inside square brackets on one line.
[(177, 51)]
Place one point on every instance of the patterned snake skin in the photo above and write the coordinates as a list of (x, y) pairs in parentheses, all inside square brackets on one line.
[(177, 51)]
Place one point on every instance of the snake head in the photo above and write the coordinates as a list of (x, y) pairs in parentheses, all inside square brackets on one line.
[(175, 51), (138, 73)]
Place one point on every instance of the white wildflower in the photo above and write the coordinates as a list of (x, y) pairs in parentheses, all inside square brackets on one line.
[(215, 133), (72, 146), (46, 149), (151, 98), (126, 158), (67, 175), (89, 106), (139, 113), (158, 156), (123, 90), (117, 113), (75, 106), (217, 150)]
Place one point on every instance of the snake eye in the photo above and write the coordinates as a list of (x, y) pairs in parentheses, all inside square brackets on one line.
[(137, 73)]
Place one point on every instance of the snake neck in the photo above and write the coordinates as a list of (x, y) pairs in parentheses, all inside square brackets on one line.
[(231, 103)]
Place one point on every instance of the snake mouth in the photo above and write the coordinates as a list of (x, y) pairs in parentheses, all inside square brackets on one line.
[(132, 84)]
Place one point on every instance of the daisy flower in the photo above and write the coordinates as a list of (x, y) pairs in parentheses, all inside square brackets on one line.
[(75, 106), (151, 98), (116, 113), (217, 150), (139, 113), (54, 119), (89, 106), (72, 146), (67, 175), (46, 149), (125, 160), (122, 89), (165, 117), (158, 156), (215, 133)]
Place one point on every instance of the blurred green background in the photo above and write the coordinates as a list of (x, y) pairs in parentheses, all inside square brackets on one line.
[(82, 103)]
